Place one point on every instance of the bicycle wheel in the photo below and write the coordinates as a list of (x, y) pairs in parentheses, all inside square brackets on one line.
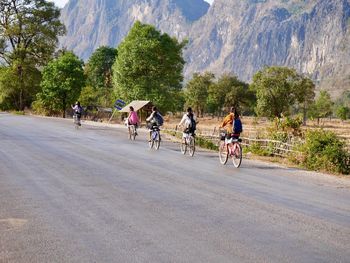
[(183, 146), (192, 146), (129, 135), (223, 154), (237, 155), (151, 143), (133, 133), (157, 141)]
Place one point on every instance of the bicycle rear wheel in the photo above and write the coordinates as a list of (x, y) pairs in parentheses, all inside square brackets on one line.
[(183, 146), (237, 155), (223, 154), (192, 146), (133, 133)]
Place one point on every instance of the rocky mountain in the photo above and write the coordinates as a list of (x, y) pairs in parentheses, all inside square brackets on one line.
[(92, 23), (239, 36)]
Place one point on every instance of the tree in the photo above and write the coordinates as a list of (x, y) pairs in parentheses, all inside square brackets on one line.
[(63, 79), (196, 91), (343, 112), (322, 107), (230, 91), (277, 89), (149, 67), (99, 74), (10, 87), (305, 94), (28, 38)]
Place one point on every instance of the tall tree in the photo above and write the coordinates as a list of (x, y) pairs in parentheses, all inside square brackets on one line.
[(99, 74), (63, 79), (196, 91), (230, 91), (277, 89), (28, 38), (305, 94), (322, 107), (149, 67)]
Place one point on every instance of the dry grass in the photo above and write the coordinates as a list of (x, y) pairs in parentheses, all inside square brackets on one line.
[(257, 127)]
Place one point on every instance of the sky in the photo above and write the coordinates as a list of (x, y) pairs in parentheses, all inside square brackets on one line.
[(61, 3)]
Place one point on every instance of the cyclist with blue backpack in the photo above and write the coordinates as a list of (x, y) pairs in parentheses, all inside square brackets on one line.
[(233, 124), (154, 120)]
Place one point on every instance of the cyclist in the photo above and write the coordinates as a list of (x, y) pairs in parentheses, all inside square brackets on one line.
[(154, 120), (189, 121), (77, 111), (133, 119), (233, 124)]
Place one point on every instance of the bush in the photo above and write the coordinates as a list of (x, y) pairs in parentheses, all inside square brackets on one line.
[(256, 148), (324, 151)]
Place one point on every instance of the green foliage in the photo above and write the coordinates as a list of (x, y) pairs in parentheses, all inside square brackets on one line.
[(257, 149), (88, 96), (323, 151), (99, 75), (343, 113), (63, 79), (28, 38), (149, 67), (277, 89), (322, 107), (196, 91), (230, 91), (18, 91)]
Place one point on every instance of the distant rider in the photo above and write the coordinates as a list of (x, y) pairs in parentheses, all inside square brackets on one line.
[(77, 111), (133, 119), (154, 120)]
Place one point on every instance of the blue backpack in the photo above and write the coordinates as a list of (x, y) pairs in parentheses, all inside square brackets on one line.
[(237, 126), (158, 119)]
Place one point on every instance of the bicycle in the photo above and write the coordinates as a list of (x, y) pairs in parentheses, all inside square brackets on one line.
[(155, 137), (230, 146), (188, 140), (76, 120), (132, 131)]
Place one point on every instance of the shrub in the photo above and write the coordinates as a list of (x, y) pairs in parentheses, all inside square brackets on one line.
[(324, 151)]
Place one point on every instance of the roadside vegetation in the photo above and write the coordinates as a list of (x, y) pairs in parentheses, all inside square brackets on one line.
[(148, 65)]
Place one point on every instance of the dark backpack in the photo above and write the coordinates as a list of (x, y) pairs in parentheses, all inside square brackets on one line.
[(158, 119), (193, 124), (237, 126)]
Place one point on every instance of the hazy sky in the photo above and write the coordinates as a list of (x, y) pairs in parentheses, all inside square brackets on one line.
[(61, 3)]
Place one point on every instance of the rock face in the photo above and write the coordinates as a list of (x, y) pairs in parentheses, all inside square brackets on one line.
[(93, 23), (239, 36)]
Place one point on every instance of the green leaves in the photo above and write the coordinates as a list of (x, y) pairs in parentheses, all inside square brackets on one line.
[(28, 38), (62, 81), (278, 89), (99, 75), (149, 66)]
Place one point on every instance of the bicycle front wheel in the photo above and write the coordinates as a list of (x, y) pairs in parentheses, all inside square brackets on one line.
[(223, 154), (237, 155), (192, 146), (157, 141)]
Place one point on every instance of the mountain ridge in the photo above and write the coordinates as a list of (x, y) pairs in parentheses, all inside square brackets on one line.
[(237, 36)]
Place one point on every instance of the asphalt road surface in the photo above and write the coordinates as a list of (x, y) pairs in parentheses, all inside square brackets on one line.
[(91, 195)]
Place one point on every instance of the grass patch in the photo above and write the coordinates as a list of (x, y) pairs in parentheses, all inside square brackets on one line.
[(18, 112)]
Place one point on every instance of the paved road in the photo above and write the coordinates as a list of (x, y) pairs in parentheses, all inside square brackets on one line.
[(92, 196)]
